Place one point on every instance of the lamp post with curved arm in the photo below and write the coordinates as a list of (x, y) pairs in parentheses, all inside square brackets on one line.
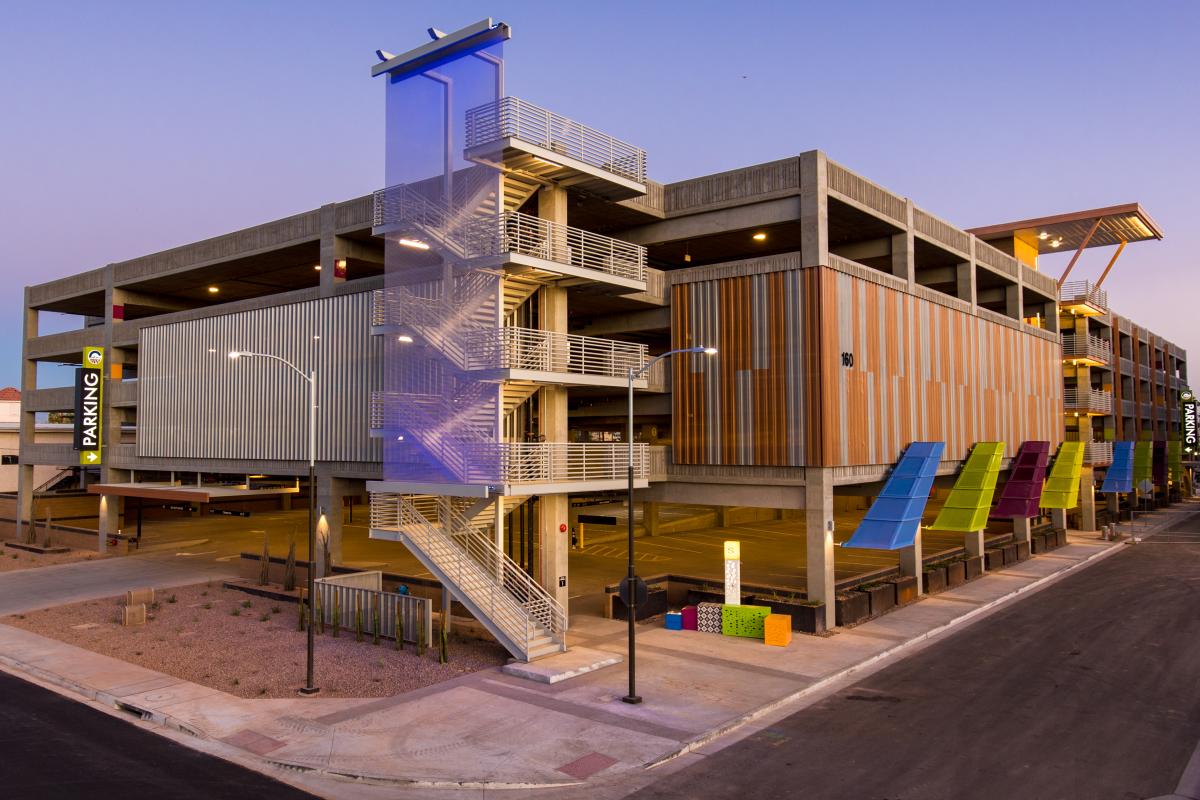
[(631, 578), (311, 378)]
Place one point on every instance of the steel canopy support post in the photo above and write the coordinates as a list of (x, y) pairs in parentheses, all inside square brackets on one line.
[(1082, 246)]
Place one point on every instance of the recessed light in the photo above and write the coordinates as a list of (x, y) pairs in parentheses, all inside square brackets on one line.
[(404, 338), (317, 267), (1043, 236), (1056, 243), (759, 237), (213, 290), (414, 244), (212, 349)]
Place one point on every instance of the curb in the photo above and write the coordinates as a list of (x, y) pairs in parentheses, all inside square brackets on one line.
[(892, 652)]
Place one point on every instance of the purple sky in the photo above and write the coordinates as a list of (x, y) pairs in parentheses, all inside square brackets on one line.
[(136, 126)]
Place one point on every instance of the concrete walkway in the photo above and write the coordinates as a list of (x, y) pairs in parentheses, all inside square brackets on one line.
[(492, 730), (43, 587)]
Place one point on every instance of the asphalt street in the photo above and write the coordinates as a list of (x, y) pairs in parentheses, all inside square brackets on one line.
[(1087, 689), (54, 747)]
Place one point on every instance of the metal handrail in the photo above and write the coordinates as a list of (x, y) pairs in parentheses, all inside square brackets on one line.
[(1090, 399), (520, 119), (527, 235), (550, 351), (1083, 292), (1086, 346), (494, 582)]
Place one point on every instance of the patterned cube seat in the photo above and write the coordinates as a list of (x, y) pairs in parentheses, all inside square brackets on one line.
[(777, 629), (744, 621), (708, 617)]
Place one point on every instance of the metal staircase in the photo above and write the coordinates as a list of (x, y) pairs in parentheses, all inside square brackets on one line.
[(522, 615)]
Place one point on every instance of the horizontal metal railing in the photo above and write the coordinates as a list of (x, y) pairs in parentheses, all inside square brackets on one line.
[(1095, 400), (548, 351), (1086, 346), (494, 583), (1094, 452), (519, 119), (515, 232), (566, 462), (1078, 292), (343, 599)]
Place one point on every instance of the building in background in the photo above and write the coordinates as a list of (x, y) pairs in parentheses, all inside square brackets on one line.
[(45, 476)]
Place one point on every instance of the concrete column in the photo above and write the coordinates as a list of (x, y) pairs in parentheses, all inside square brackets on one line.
[(723, 515), (1013, 302), (331, 495), (965, 282), (814, 211), (498, 526), (1114, 507), (110, 519), (903, 256), (555, 544), (650, 518), (28, 420), (912, 562), (1058, 518), (332, 259), (973, 543), (1087, 499), (1022, 529), (818, 515)]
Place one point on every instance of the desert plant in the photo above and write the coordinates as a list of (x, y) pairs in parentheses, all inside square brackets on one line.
[(245, 604), (275, 609), (316, 613), (264, 562), (337, 616), (235, 612), (420, 640), (444, 651), (172, 599), (301, 613), (326, 566), (358, 619), (399, 629), (289, 566), (264, 618), (46, 532), (207, 606), (375, 622)]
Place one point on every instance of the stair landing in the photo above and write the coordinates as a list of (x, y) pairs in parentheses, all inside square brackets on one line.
[(571, 664)]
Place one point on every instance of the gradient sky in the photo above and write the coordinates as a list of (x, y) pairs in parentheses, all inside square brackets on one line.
[(131, 127)]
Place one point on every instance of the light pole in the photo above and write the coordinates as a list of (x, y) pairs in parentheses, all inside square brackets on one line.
[(631, 579), (311, 378)]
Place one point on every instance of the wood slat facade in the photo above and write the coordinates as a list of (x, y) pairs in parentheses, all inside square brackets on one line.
[(781, 393)]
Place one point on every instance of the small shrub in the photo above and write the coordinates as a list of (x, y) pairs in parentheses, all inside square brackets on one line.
[(262, 691), (275, 609), (358, 621), (154, 606), (399, 629), (171, 599), (207, 606), (235, 682), (245, 604), (264, 618), (204, 593), (337, 617), (235, 612), (15, 556)]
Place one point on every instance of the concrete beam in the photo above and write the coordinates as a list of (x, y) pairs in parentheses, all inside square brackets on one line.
[(820, 582), (857, 251), (654, 319), (758, 496), (707, 223)]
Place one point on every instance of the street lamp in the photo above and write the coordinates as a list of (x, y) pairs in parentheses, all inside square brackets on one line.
[(631, 579), (311, 378)]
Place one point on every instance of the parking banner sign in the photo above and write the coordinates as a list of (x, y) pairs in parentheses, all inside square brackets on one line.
[(89, 406)]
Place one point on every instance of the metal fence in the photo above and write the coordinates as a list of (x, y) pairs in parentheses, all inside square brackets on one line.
[(344, 597)]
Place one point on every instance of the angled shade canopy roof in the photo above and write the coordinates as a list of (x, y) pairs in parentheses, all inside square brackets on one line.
[(1022, 494), (1062, 487), (966, 509), (1113, 224), (1119, 477), (894, 518)]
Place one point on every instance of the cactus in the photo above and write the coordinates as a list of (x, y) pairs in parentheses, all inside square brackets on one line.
[(358, 619), (444, 652), (316, 613), (264, 562), (420, 640), (337, 617), (375, 622), (289, 566), (399, 628), (301, 609)]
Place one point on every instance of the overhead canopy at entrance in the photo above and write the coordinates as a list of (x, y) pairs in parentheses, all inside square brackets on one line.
[(175, 493), (1063, 233)]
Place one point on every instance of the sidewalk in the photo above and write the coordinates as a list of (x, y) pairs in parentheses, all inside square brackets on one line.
[(490, 729)]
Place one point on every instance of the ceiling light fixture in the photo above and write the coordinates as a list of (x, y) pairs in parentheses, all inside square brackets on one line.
[(404, 338), (1043, 236), (1056, 243), (317, 267), (414, 244), (213, 290), (759, 237)]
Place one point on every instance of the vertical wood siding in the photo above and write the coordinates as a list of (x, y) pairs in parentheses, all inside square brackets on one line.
[(778, 394)]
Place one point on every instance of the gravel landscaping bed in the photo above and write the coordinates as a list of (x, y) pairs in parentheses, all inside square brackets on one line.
[(250, 646), (12, 559)]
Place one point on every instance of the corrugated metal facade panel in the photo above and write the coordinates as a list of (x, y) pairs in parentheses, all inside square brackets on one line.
[(193, 403), (921, 371)]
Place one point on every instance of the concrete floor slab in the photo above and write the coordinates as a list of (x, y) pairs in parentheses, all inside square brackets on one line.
[(571, 664)]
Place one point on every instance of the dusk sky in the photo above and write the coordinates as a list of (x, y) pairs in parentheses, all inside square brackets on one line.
[(132, 127)]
